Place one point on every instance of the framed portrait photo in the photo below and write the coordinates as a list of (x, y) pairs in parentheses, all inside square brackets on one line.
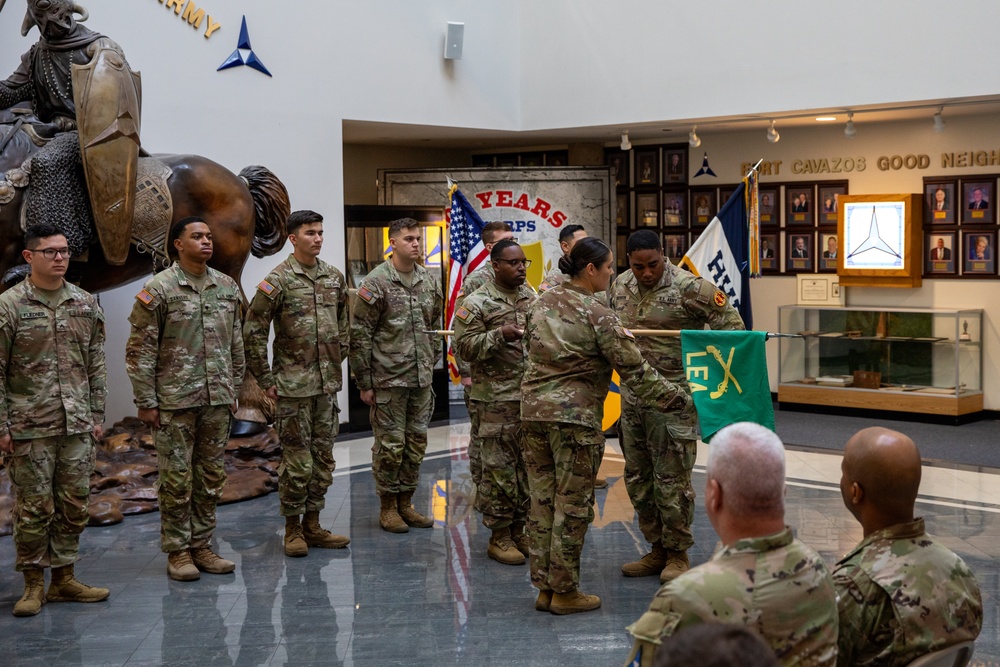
[(647, 166), (770, 253), (978, 253), (621, 211), (674, 165), (769, 200), (829, 202), (829, 251), (674, 246), (703, 207), (799, 252), (618, 161), (647, 212), (800, 208), (673, 209), (939, 202), (978, 206), (940, 253)]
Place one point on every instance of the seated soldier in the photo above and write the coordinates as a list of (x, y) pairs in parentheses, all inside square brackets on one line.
[(901, 593)]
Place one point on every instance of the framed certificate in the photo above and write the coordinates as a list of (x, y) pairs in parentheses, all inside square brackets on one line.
[(882, 240)]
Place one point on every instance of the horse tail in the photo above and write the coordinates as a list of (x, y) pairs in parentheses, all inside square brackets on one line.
[(270, 201)]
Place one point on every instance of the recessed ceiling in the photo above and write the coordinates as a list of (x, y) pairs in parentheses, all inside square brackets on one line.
[(476, 139)]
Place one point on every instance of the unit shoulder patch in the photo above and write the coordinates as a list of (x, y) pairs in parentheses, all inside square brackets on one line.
[(720, 298)]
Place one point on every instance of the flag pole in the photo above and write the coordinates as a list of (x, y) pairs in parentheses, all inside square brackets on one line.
[(754, 168), (664, 333)]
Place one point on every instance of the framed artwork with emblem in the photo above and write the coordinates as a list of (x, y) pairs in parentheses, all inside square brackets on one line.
[(939, 201), (979, 253), (978, 205), (940, 254), (881, 238)]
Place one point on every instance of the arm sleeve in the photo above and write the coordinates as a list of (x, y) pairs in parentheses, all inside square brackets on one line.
[(142, 352), (366, 317), (702, 305), (344, 322), (851, 608), (239, 358), (97, 370), (473, 340), (255, 334), (6, 343), (463, 366)]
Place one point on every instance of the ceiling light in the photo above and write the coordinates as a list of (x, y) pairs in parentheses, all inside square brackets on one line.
[(826, 119), (693, 139), (939, 120), (626, 144), (849, 130), (772, 134)]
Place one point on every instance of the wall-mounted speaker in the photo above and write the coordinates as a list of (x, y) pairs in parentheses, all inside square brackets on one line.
[(453, 42)]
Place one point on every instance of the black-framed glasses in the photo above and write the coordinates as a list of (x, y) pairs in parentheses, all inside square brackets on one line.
[(514, 263), (50, 253)]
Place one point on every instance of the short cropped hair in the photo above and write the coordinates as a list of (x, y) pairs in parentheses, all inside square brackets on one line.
[(299, 218), (500, 246), (644, 239), (567, 232), (491, 229), (177, 229), (42, 230), (748, 462), (397, 226)]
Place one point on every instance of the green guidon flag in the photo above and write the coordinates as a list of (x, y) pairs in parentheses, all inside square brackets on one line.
[(727, 373)]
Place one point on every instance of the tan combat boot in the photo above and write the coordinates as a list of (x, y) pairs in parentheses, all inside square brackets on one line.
[(677, 564), (295, 541), (389, 517), (600, 482), (207, 560), (543, 601), (649, 565), (573, 603), (180, 567), (502, 549), (34, 593), (316, 536), (521, 539), (412, 517), (65, 588)]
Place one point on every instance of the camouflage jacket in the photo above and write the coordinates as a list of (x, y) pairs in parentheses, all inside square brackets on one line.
[(388, 345), (484, 274), (311, 330), (186, 347), (903, 594), (52, 374), (553, 278), (774, 585), (574, 341), (497, 364)]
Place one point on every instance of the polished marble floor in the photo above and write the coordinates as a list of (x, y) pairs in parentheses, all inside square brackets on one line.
[(429, 597)]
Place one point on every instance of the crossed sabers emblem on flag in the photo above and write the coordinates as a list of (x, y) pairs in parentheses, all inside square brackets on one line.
[(702, 372)]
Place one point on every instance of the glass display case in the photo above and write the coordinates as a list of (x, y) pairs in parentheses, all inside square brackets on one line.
[(899, 359)]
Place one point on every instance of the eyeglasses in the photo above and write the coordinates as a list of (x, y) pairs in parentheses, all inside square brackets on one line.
[(50, 253), (514, 263)]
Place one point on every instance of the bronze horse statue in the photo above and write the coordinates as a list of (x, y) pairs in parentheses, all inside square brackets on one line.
[(246, 213)]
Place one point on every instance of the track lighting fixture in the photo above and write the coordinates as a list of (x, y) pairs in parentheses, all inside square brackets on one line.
[(772, 134), (626, 144), (849, 130), (693, 139), (939, 121)]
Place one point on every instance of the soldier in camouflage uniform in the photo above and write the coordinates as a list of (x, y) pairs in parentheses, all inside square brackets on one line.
[(568, 236), (488, 331), (762, 577), (306, 298), (52, 392), (573, 342), (660, 448), (901, 593), (393, 361), (185, 360), (492, 233)]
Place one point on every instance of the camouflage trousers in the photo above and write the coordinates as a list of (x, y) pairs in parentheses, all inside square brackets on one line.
[(51, 480), (562, 461), (190, 451), (658, 467), (475, 463), (502, 492), (399, 422), (307, 428)]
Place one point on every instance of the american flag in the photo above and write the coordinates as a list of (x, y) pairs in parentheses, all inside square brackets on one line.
[(466, 253)]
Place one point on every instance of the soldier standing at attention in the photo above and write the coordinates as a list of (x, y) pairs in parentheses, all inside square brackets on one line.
[(762, 577), (488, 331), (393, 361), (52, 391), (306, 298), (901, 593), (568, 236), (574, 341), (185, 360), (660, 447)]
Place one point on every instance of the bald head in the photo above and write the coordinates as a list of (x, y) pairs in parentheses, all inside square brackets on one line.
[(748, 462), (881, 475)]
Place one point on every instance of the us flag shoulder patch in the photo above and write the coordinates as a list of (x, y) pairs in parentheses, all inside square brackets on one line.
[(266, 287), (144, 297), (367, 295), (462, 313)]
